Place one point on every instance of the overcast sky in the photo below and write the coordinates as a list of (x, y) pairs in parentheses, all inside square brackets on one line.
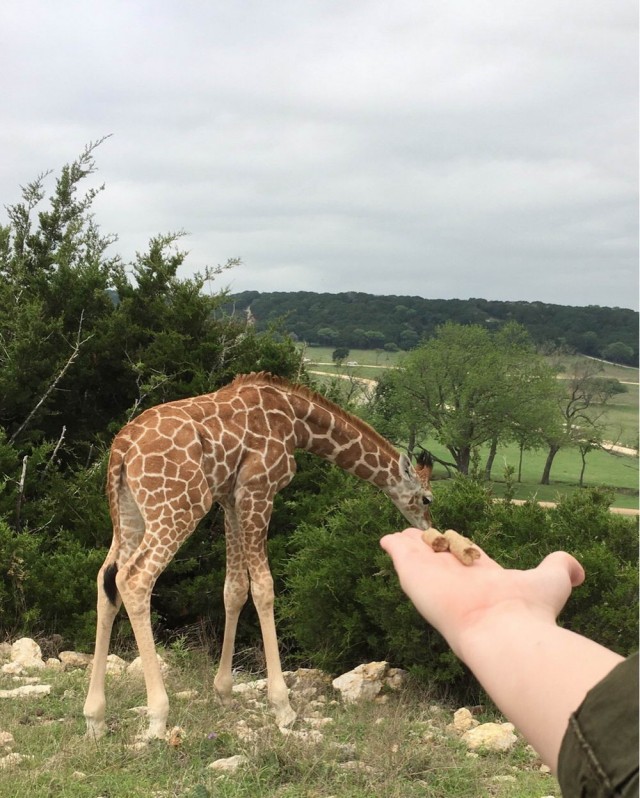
[(458, 148)]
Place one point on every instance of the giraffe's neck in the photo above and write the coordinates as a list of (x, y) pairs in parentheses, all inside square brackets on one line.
[(330, 432)]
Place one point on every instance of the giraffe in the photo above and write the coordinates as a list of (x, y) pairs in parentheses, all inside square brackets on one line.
[(235, 447)]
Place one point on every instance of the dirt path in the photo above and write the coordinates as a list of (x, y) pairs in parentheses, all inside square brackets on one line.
[(366, 380), (618, 510)]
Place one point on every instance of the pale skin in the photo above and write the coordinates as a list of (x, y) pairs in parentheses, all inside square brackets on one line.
[(502, 624)]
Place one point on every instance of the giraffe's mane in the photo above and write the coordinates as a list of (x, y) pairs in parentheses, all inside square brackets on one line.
[(258, 378)]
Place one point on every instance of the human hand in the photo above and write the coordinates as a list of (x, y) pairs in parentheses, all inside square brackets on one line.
[(456, 599)]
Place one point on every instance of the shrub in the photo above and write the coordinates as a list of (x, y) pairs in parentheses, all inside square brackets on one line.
[(343, 604), (47, 584)]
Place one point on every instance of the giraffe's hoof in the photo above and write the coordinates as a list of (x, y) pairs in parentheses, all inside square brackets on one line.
[(147, 736), (227, 701), (95, 729), (156, 730), (285, 717)]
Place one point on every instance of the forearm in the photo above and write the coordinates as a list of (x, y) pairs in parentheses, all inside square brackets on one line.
[(536, 672)]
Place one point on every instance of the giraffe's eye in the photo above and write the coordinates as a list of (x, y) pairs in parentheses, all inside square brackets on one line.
[(426, 500)]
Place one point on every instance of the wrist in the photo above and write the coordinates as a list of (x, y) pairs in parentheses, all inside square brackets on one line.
[(508, 624)]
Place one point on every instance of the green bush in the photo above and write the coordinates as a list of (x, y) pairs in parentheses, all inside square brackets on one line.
[(47, 584), (342, 603)]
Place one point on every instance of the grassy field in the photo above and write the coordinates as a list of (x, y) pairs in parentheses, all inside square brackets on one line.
[(616, 471), (397, 748)]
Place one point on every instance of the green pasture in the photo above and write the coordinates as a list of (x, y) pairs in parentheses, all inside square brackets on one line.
[(604, 469), (370, 361), (616, 471)]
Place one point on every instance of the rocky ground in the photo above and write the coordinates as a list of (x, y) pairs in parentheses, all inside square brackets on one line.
[(314, 694)]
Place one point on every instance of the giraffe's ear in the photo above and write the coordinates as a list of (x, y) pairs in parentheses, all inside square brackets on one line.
[(425, 460), (406, 469), (424, 466)]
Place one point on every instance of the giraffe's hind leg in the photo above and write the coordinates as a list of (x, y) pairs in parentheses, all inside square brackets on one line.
[(236, 592), (135, 583), (164, 534), (131, 529), (109, 603)]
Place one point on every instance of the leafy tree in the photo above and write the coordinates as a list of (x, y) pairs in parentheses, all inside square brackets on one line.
[(340, 355), (85, 343), (407, 320), (408, 338), (375, 338), (580, 401), (619, 352), (54, 302), (468, 387), (529, 383), (327, 335), (359, 338)]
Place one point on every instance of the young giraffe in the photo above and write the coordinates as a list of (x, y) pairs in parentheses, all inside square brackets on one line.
[(235, 447)]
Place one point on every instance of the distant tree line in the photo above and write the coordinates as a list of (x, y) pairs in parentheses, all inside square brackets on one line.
[(364, 321)]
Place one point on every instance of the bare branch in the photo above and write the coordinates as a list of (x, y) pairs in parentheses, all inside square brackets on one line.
[(71, 359), (20, 498), (55, 450)]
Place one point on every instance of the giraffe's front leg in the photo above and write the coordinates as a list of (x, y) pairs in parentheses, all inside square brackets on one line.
[(254, 504), (277, 690)]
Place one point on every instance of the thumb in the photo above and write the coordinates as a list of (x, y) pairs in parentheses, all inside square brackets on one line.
[(556, 576), (560, 560)]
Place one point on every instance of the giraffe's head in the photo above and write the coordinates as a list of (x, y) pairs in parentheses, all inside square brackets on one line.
[(412, 495)]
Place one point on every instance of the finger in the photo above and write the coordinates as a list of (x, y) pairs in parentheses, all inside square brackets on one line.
[(569, 564), (398, 543)]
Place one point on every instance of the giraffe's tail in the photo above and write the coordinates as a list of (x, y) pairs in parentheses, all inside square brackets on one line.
[(109, 582), (114, 481)]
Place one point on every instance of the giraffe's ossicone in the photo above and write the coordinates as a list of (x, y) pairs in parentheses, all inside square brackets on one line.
[(234, 447)]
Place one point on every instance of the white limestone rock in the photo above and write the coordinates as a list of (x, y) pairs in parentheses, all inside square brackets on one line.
[(307, 679), (26, 691), (116, 665), (229, 764), (363, 683), (306, 736), (463, 720), (135, 668), (317, 723), (11, 760), (27, 653), (245, 733), (74, 659), (186, 695), (491, 737), (396, 679), (12, 668), (245, 689)]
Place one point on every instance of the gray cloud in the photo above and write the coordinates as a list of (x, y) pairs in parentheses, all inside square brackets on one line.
[(447, 150)]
